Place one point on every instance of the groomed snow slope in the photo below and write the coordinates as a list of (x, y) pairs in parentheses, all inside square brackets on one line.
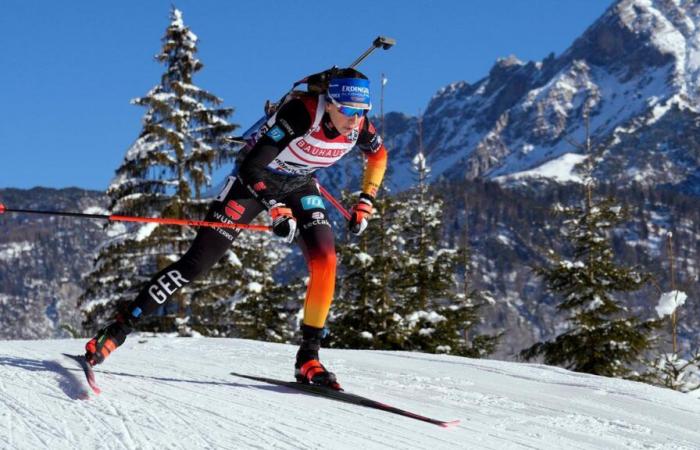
[(177, 393)]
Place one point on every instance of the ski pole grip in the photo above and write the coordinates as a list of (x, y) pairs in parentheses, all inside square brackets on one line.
[(2, 208), (384, 42)]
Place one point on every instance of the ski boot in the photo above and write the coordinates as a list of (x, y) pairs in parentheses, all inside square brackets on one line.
[(107, 340), (308, 369)]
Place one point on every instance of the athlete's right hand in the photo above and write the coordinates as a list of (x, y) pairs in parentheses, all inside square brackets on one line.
[(284, 224), (360, 215)]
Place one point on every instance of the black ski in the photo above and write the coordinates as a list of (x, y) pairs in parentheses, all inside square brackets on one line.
[(87, 370), (346, 397)]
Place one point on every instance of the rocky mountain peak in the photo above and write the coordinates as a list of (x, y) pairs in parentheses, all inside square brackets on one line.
[(639, 61)]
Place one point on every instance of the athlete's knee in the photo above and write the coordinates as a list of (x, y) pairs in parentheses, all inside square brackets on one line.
[(198, 260), (323, 258)]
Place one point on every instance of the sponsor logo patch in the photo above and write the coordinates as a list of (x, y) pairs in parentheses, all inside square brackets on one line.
[(287, 127), (316, 223), (259, 186), (318, 215), (312, 202), (275, 133), (234, 209), (312, 150)]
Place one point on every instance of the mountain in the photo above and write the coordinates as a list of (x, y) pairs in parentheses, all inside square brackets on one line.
[(42, 259), (177, 393), (635, 72)]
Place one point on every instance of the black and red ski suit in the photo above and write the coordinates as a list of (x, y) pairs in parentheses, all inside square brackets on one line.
[(299, 139)]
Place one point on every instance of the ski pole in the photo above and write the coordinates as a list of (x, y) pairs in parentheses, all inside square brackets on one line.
[(158, 220), (248, 137), (333, 201), (381, 41)]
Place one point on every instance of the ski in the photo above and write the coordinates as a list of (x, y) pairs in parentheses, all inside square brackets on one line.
[(346, 397), (87, 370)]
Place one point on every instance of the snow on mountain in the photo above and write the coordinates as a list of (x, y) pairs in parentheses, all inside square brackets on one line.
[(630, 69), (177, 393)]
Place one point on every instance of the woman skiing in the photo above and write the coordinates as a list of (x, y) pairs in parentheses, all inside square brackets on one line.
[(308, 132)]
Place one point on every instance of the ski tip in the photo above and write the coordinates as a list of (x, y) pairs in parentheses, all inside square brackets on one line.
[(450, 424), (87, 370), (2, 208)]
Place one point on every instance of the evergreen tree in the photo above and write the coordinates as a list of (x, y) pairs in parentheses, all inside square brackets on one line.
[(364, 314), (163, 174), (437, 314), (399, 288), (604, 337), (261, 308)]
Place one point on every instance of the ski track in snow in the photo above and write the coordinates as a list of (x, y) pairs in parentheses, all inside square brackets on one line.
[(177, 393)]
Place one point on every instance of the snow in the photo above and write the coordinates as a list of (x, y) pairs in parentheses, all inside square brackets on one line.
[(14, 250), (431, 317), (177, 393), (95, 210), (365, 259), (254, 286), (145, 231), (669, 301), (560, 169), (116, 229)]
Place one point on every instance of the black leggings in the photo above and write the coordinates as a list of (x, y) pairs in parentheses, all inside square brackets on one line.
[(235, 204)]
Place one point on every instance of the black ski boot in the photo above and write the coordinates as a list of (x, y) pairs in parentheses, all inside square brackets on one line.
[(308, 369), (107, 340)]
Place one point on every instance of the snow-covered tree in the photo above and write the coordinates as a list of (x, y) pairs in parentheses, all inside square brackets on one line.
[(365, 312), (399, 288), (437, 313), (263, 308), (604, 337), (673, 369), (163, 174)]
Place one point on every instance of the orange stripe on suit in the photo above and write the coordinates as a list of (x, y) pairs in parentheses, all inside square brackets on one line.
[(374, 172), (319, 293)]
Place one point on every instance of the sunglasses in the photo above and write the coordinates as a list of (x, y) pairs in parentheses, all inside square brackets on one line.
[(348, 111)]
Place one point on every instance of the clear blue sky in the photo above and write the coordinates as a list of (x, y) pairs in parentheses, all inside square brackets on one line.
[(69, 69)]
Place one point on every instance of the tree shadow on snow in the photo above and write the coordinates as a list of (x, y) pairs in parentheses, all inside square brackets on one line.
[(68, 381)]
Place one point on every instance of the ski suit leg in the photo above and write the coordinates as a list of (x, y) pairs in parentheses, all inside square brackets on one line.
[(233, 205), (317, 243)]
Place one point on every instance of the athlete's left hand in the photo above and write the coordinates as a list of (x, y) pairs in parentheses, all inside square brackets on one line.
[(360, 214), (284, 224)]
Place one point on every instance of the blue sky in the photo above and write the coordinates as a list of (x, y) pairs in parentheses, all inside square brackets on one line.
[(69, 69)]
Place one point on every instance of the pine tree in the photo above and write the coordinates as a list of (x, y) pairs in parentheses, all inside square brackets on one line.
[(399, 288), (604, 337), (364, 314), (437, 314), (262, 308), (163, 174)]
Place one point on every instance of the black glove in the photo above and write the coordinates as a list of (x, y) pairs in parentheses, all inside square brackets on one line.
[(284, 224)]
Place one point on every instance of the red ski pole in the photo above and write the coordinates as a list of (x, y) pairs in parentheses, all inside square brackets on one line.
[(333, 201), (159, 220)]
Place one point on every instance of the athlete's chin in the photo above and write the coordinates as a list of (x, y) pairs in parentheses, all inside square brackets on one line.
[(346, 131)]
